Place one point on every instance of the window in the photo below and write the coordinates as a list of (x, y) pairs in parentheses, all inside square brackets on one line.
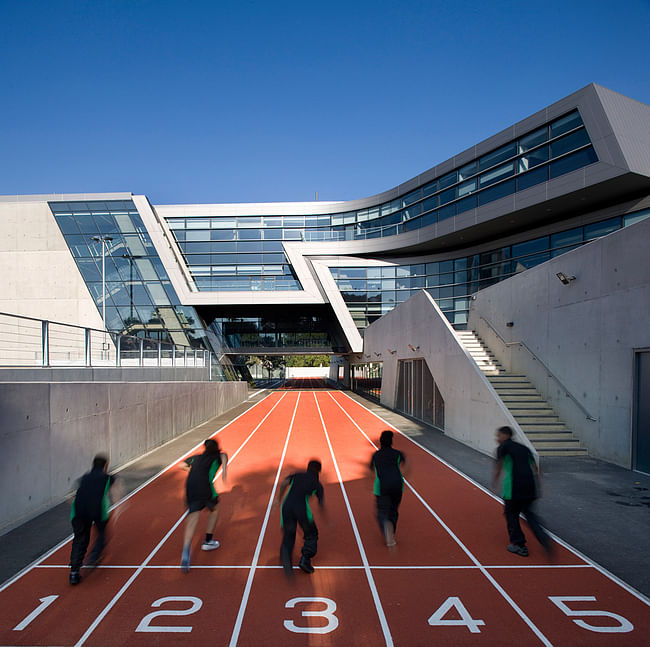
[(534, 158), (602, 228), (566, 123), (466, 171), (533, 139), (466, 188), (497, 174), (497, 156), (410, 198), (447, 180), (496, 192), (532, 178), (573, 162), (569, 143)]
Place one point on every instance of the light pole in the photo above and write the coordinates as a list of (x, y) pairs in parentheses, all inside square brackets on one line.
[(103, 239)]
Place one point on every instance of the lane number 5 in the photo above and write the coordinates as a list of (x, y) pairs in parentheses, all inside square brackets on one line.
[(623, 626)]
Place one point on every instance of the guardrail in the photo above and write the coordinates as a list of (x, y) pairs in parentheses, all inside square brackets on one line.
[(30, 342)]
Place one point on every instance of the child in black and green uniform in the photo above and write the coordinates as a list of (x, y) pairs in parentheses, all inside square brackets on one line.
[(295, 510), (201, 494), (90, 506)]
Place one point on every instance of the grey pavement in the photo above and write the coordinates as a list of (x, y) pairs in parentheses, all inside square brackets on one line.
[(600, 509)]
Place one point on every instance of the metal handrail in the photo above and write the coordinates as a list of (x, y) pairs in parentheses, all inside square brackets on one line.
[(116, 338), (546, 368)]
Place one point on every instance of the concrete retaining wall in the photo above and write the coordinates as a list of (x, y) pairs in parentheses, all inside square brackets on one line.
[(417, 329), (51, 431), (585, 332)]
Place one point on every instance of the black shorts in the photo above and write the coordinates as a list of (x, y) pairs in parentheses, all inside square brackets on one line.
[(198, 504)]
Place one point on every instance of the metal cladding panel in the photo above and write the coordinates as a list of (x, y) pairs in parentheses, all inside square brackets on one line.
[(630, 121)]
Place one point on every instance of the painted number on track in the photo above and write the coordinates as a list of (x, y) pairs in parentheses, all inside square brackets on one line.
[(195, 605), (623, 626), (327, 613), (437, 619), (45, 602)]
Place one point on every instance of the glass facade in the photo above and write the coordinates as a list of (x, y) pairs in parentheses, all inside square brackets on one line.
[(370, 292), (140, 299), (244, 253)]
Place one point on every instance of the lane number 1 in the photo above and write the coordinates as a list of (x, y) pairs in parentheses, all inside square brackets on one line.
[(45, 602)]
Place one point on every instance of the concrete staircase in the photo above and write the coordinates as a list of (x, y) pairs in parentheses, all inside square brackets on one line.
[(547, 433)]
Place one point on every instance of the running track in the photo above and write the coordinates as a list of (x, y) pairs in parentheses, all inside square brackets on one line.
[(450, 580)]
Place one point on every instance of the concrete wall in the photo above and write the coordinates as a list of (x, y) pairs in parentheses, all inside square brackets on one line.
[(47, 284), (51, 431), (584, 332), (472, 409), (307, 371)]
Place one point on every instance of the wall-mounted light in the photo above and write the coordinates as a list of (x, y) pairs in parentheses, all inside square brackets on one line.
[(392, 352), (378, 354), (414, 349), (564, 279), (510, 324)]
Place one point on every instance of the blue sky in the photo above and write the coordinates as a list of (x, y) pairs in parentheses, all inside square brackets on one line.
[(248, 101)]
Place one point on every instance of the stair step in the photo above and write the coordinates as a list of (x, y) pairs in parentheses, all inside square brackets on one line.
[(537, 419), (533, 409), (562, 452), (534, 427), (560, 436), (521, 397)]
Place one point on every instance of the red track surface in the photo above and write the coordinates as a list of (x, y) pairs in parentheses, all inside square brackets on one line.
[(450, 581)]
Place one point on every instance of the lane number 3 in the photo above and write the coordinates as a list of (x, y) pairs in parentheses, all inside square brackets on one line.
[(327, 613)]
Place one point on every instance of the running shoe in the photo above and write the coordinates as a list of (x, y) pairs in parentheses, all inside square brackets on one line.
[(305, 565), (185, 560), (518, 550), (210, 545)]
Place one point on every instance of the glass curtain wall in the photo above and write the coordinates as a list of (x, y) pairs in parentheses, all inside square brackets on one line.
[(370, 292), (139, 296), (246, 253)]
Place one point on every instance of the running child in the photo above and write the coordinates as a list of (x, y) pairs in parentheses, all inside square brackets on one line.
[(200, 493), (389, 485), (90, 506), (295, 510)]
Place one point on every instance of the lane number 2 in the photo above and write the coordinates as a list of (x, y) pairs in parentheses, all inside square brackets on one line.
[(623, 626), (195, 605), (327, 613)]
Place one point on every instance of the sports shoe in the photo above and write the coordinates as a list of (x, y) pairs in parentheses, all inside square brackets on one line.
[(210, 545), (305, 565), (75, 577), (185, 560), (518, 550)]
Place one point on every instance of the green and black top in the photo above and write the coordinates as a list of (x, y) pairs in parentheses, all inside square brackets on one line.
[(387, 463), (518, 479), (92, 501)]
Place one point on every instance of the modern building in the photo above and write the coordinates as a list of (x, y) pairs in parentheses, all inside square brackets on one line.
[(311, 277)]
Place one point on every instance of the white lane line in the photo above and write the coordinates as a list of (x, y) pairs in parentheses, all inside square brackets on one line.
[(149, 557), (402, 567), (614, 578), (254, 564), (371, 581), (63, 542), (545, 641)]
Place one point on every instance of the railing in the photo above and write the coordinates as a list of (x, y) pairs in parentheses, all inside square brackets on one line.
[(550, 373), (30, 342)]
